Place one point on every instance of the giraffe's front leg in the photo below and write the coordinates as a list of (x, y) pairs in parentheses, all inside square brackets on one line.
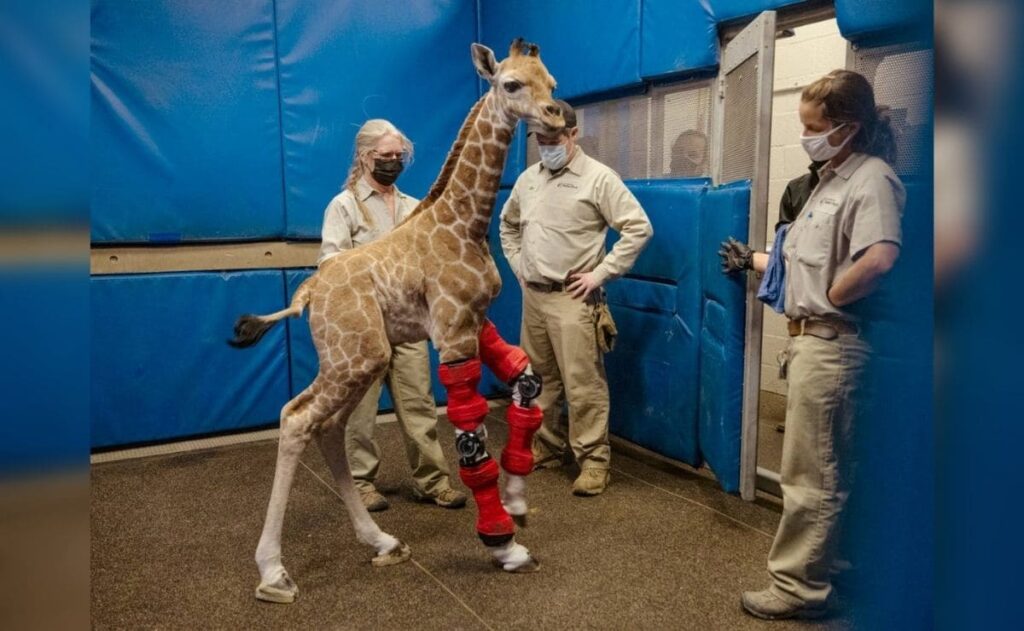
[(510, 364), (477, 469)]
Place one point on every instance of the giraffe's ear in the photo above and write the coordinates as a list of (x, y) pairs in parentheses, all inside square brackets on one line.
[(483, 59)]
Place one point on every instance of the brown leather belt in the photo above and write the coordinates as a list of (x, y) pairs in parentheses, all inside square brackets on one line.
[(546, 288), (825, 329)]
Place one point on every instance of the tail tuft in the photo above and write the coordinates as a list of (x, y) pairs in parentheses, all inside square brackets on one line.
[(248, 330)]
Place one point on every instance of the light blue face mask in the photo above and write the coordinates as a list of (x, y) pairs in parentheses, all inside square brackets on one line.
[(554, 157)]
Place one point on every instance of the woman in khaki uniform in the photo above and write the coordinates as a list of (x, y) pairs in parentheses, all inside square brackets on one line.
[(369, 207), (843, 242)]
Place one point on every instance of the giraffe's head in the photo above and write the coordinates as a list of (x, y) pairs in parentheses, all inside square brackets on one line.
[(520, 84)]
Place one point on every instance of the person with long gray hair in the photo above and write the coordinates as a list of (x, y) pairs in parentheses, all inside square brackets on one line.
[(369, 207)]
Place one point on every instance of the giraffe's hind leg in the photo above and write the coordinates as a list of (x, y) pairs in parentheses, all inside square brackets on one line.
[(390, 550)]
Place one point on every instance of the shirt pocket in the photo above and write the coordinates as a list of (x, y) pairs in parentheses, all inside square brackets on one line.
[(817, 243)]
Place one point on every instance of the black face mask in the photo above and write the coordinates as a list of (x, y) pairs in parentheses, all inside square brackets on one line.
[(386, 171)]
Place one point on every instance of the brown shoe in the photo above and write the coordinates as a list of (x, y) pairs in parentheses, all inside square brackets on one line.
[(591, 482), (448, 498), (767, 606), (373, 501)]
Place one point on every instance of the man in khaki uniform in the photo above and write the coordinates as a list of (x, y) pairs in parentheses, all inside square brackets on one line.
[(553, 231), (369, 208), (838, 248)]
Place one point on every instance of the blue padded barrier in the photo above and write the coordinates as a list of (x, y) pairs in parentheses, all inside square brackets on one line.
[(515, 163), (344, 62), (884, 21), (161, 367), (587, 49), (185, 127), (725, 10), (677, 37), (725, 213)]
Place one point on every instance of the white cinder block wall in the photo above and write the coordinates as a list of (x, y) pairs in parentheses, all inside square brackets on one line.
[(815, 50)]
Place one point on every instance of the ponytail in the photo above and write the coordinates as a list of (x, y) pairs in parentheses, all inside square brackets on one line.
[(848, 97)]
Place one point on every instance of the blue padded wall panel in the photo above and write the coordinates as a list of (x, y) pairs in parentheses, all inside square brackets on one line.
[(725, 214), (673, 206), (730, 9), (587, 49), (677, 37), (652, 376), (342, 63), (515, 163), (161, 367), (185, 128), (861, 20)]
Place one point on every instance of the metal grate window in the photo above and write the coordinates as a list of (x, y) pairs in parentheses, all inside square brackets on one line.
[(903, 79), (740, 116), (660, 134)]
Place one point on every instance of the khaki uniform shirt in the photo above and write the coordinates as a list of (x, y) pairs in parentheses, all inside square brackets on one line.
[(554, 224), (345, 226), (852, 208)]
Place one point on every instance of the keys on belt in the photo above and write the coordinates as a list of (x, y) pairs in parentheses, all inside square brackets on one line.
[(824, 329)]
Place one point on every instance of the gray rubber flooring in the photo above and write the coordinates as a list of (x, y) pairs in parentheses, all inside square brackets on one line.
[(173, 539)]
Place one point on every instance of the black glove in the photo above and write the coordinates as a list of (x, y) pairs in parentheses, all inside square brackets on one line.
[(736, 256)]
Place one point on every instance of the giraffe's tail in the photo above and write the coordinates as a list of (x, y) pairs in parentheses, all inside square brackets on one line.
[(249, 329)]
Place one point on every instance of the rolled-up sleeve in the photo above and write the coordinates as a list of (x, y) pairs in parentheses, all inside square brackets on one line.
[(336, 233), (623, 213), (510, 232), (876, 213)]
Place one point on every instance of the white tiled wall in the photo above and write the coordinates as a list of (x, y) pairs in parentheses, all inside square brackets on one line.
[(815, 50)]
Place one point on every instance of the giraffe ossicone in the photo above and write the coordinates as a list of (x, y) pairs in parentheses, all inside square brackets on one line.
[(433, 276)]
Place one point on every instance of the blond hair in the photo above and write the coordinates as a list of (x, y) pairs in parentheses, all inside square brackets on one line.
[(371, 133)]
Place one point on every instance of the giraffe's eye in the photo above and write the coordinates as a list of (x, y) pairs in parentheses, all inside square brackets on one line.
[(512, 86)]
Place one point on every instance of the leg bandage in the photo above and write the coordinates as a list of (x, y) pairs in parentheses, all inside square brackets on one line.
[(523, 422), (479, 472), (505, 360), (466, 408)]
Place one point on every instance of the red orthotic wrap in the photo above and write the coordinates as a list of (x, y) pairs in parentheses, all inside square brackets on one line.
[(482, 479), (522, 424), (466, 408), (505, 360)]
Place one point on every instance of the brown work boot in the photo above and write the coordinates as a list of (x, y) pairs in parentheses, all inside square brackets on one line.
[(372, 500), (447, 498), (768, 606), (591, 481)]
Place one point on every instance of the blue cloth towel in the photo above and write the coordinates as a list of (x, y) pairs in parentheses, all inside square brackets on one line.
[(773, 286)]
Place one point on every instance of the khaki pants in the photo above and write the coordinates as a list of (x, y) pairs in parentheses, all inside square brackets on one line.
[(558, 336), (408, 379), (824, 376)]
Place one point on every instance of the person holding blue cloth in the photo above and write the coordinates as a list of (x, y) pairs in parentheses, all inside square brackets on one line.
[(835, 252)]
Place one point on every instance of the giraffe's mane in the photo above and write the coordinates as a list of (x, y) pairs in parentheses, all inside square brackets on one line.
[(437, 189)]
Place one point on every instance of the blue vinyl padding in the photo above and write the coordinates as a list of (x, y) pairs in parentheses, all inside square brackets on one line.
[(161, 367), (588, 49), (677, 37), (515, 163), (725, 214), (730, 9), (884, 21), (185, 128), (344, 62)]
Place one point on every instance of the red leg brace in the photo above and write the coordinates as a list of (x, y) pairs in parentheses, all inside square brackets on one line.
[(522, 424), (493, 523), (466, 408), (505, 360)]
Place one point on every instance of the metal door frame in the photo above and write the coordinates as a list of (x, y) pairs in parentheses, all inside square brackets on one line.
[(757, 38)]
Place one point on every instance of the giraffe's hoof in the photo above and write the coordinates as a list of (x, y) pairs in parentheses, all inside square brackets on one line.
[(528, 566), (400, 554), (520, 520), (281, 591)]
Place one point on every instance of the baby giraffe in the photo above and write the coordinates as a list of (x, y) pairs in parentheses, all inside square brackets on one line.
[(433, 276)]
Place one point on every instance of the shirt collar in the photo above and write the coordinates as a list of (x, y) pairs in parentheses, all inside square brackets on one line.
[(848, 166)]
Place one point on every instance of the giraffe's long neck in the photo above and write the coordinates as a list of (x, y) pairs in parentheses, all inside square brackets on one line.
[(468, 199)]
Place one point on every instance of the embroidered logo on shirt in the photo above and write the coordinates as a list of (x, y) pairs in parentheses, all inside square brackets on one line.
[(567, 185)]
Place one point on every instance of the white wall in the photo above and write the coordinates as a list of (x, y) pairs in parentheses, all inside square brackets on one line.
[(815, 50)]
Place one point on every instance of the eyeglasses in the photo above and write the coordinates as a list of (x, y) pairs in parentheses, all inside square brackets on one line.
[(390, 155)]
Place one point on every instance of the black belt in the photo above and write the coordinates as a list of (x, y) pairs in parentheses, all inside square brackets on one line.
[(546, 288)]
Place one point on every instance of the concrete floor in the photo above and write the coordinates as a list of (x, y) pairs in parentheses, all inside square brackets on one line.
[(173, 539)]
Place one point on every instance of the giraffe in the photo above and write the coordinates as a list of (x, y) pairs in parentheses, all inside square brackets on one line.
[(432, 276)]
